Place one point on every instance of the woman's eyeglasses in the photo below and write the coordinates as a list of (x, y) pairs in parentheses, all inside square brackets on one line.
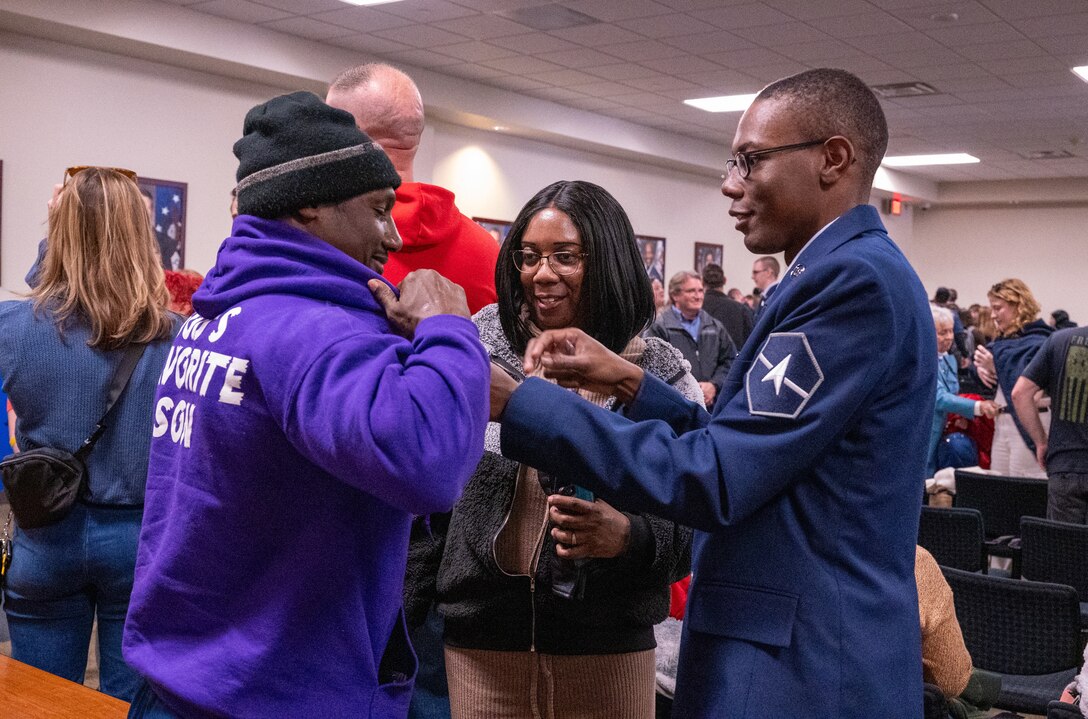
[(75, 170), (562, 263)]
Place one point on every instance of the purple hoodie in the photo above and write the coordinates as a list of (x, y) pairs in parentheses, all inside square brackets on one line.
[(294, 437)]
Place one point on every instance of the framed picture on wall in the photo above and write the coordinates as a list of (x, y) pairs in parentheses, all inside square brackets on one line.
[(496, 228), (707, 253), (652, 250), (167, 206)]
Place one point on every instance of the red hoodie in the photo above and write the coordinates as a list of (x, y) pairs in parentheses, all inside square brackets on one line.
[(438, 237)]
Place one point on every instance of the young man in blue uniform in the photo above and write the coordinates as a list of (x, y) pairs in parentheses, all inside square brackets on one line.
[(804, 485)]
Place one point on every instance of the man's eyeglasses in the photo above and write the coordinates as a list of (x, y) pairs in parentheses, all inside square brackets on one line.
[(562, 263), (745, 161), (75, 170)]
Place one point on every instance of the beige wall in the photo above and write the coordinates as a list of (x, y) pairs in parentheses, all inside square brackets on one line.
[(971, 249)]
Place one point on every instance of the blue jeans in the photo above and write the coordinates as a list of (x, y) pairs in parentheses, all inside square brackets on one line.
[(61, 577), (146, 705)]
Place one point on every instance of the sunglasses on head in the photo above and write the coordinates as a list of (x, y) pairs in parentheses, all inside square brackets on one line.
[(75, 170)]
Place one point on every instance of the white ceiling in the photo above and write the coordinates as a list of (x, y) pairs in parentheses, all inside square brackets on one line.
[(1002, 67)]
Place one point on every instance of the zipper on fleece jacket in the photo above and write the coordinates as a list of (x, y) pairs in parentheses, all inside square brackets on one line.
[(532, 564)]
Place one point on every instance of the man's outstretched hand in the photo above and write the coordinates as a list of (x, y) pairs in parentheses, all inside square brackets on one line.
[(574, 359)]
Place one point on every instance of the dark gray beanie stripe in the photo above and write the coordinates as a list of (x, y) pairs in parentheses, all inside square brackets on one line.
[(304, 163)]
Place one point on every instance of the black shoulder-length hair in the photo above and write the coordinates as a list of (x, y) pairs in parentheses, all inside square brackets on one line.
[(617, 302)]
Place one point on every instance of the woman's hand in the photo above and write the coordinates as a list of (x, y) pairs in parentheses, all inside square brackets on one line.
[(984, 366), (587, 530)]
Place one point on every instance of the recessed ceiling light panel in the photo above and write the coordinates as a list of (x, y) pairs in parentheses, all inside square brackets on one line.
[(722, 103), (905, 89), (954, 158), (1082, 71)]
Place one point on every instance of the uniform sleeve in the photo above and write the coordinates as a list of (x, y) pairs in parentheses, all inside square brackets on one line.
[(757, 443), (401, 421)]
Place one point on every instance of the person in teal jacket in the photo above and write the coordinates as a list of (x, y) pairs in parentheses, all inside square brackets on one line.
[(803, 485), (948, 387)]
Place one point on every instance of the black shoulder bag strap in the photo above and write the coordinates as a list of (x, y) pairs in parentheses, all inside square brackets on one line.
[(117, 385)]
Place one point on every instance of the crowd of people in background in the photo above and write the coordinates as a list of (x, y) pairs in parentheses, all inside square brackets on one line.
[(373, 444)]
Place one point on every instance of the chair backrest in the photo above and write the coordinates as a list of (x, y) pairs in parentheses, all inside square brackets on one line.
[(1002, 500), (1055, 552), (1013, 626), (953, 535)]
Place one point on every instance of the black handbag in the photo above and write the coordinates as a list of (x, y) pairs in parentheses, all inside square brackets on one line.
[(42, 484)]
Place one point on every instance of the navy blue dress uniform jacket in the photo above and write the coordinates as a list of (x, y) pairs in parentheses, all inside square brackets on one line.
[(804, 487)]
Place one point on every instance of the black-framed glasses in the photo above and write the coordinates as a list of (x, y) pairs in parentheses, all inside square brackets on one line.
[(745, 161), (563, 262)]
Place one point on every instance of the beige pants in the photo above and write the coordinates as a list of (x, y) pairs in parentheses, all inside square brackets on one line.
[(529, 685)]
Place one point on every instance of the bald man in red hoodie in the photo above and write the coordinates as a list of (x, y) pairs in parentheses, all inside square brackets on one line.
[(387, 106)]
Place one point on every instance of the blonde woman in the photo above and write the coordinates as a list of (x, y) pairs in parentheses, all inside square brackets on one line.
[(1021, 333), (98, 289)]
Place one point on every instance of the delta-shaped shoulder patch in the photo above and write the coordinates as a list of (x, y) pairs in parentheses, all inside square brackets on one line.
[(783, 377)]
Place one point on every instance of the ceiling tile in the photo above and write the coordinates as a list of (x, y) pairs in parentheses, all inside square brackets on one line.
[(483, 27), (936, 74), (870, 23), (604, 89), (517, 83), (495, 5), (1054, 25), (534, 43), (936, 17), (726, 82), (770, 73), (613, 10), (906, 42), (715, 41), (303, 7), (1001, 50), (471, 71), (741, 16), (987, 33), (936, 55), (369, 43), (641, 51), (427, 11), (361, 19), (476, 51), (558, 94), (240, 10), (665, 25), (687, 5), (590, 103), (564, 77), (1035, 8), (789, 33), (820, 51), (305, 27), (681, 64), (422, 58), (808, 10), (422, 36), (662, 84), (749, 57), (522, 65), (597, 35), (623, 71), (582, 57)]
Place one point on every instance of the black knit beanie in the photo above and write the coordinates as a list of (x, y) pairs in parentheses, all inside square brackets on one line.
[(296, 151)]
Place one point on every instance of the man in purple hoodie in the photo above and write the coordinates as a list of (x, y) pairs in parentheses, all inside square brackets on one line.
[(305, 414)]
